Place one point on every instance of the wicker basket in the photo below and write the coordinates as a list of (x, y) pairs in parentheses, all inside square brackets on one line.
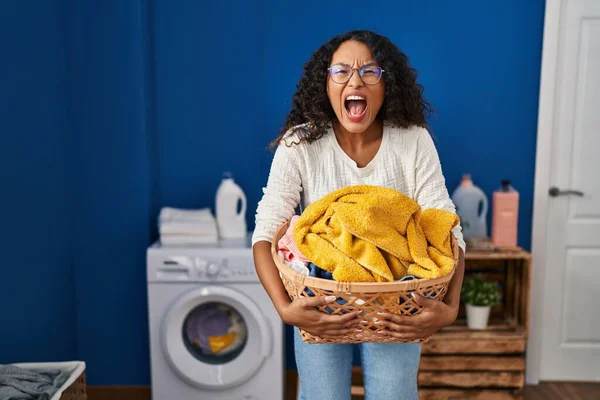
[(370, 298), (77, 390)]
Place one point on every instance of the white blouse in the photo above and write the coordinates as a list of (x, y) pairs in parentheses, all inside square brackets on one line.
[(302, 173)]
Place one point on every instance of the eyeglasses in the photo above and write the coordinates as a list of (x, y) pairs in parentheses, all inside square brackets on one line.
[(370, 74)]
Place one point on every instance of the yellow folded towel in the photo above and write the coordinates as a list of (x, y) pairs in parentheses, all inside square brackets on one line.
[(369, 233)]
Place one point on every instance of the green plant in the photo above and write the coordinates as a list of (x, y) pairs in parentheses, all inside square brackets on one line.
[(476, 291)]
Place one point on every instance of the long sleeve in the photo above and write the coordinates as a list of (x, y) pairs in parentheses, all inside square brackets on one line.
[(430, 184), (281, 196)]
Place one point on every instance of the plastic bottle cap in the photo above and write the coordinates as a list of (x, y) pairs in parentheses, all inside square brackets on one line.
[(466, 180), (505, 186), (227, 175)]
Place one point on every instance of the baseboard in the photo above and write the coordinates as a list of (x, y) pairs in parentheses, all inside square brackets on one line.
[(291, 384), (144, 392), (119, 393)]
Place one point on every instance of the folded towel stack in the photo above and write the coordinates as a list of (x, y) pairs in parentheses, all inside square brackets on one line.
[(374, 234), (187, 227)]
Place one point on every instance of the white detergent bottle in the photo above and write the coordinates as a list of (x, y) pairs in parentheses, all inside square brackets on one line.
[(231, 223), (472, 207)]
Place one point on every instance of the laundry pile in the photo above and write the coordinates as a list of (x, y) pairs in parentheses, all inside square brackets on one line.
[(369, 233), (40, 383), (187, 227)]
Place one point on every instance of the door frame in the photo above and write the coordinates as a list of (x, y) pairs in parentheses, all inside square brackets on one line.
[(545, 131)]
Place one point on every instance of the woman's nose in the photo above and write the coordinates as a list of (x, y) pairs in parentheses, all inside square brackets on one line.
[(355, 80)]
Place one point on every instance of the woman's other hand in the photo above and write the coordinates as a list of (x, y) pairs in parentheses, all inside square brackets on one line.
[(303, 313), (434, 315)]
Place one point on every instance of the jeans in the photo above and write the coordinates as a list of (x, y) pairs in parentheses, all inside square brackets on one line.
[(389, 370)]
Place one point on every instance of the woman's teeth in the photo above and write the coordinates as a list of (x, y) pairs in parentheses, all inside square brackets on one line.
[(354, 97)]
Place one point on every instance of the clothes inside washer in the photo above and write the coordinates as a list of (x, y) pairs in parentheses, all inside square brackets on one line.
[(238, 331), (215, 329)]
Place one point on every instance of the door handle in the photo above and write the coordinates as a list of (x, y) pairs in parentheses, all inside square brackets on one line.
[(555, 192)]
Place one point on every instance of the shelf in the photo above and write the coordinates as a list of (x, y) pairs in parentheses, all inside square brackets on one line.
[(465, 394), (499, 338), (459, 362), (496, 326), (515, 254)]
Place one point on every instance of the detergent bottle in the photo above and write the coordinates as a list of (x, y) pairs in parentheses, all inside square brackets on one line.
[(472, 207), (231, 223), (505, 215)]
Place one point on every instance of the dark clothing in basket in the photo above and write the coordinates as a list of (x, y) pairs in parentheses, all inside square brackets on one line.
[(317, 272)]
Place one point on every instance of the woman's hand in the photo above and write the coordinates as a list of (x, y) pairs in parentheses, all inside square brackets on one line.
[(302, 313), (434, 316)]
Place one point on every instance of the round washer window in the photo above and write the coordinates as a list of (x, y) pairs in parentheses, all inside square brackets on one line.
[(215, 333)]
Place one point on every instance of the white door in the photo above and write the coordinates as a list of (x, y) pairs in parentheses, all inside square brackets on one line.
[(570, 348)]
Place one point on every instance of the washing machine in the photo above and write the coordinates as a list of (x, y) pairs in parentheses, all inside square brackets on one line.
[(214, 333)]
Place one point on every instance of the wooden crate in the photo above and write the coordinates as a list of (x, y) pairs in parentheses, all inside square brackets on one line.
[(459, 363)]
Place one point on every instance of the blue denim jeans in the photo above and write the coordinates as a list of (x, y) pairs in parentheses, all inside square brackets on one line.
[(389, 370)]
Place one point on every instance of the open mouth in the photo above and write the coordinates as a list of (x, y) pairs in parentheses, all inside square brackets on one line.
[(356, 107)]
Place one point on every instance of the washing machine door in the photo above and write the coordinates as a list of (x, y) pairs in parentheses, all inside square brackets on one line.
[(215, 337)]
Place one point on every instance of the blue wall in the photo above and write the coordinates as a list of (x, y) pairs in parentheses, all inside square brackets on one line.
[(36, 283), (110, 108), (118, 108)]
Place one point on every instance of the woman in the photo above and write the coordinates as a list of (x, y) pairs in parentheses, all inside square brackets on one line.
[(358, 117)]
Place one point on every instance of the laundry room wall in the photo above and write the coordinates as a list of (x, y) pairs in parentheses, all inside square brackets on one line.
[(110, 107), (125, 107), (211, 99), (36, 283)]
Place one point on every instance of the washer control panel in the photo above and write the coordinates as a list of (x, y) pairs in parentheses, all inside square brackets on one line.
[(200, 265)]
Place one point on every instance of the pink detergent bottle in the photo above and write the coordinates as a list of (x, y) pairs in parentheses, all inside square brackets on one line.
[(505, 216)]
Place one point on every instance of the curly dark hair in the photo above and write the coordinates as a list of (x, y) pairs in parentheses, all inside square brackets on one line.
[(403, 104)]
